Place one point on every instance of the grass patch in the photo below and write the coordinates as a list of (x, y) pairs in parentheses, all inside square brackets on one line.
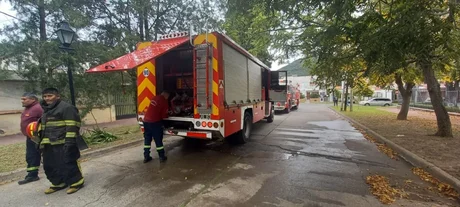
[(414, 134), (13, 156), (363, 112)]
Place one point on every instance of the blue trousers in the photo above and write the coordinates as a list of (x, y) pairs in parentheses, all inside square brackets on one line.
[(32, 158), (153, 130)]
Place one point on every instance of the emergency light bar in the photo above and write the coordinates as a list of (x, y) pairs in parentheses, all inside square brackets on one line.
[(173, 35)]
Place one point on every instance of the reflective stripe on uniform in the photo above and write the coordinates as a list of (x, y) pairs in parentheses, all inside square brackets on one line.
[(47, 141), (160, 148), (70, 134), (147, 146), (58, 186), (80, 182), (72, 123), (55, 123), (32, 169)]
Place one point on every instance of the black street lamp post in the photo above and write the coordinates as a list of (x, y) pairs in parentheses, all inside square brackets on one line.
[(66, 36)]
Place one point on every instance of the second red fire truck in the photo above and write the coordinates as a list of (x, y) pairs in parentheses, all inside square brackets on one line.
[(286, 96)]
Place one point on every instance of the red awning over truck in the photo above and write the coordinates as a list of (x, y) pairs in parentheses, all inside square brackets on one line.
[(139, 57)]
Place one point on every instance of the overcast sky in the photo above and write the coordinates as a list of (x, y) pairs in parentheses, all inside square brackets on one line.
[(6, 7), (5, 20)]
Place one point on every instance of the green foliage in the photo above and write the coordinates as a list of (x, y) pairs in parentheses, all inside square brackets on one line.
[(302, 96), (337, 94), (105, 29), (361, 89), (249, 25), (314, 95), (98, 135)]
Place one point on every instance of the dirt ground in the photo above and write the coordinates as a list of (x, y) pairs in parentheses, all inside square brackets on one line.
[(415, 135)]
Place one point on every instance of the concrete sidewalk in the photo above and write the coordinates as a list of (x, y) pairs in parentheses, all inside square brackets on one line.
[(18, 138)]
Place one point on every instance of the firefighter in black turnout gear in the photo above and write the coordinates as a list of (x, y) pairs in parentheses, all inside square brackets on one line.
[(58, 130)]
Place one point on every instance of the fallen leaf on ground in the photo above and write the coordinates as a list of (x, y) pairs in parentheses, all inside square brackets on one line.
[(382, 147), (388, 151), (380, 187), (443, 188)]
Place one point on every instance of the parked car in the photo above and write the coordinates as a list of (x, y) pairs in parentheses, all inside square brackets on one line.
[(376, 102)]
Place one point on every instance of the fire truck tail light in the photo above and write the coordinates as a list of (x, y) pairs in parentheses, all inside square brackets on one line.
[(198, 124), (216, 125), (203, 124), (210, 124), (221, 124)]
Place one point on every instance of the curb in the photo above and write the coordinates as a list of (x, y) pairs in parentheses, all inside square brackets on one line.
[(410, 157), (7, 177), (428, 110), (432, 111)]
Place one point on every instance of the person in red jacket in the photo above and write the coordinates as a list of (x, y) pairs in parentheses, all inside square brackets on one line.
[(32, 112), (153, 126)]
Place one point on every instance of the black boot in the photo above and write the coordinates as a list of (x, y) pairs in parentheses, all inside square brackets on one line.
[(148, 159), (163, 159), (28, 179), (161, 155)]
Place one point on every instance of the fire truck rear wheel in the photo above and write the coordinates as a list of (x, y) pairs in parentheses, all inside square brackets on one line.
[(242, 136)]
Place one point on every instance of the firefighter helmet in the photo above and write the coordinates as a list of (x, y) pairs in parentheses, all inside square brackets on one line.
[(31, 130)]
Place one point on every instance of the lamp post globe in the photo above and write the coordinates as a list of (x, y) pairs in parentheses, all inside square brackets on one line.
[(65, 34)]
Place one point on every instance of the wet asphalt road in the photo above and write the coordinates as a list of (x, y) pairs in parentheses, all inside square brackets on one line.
[(309, 157)]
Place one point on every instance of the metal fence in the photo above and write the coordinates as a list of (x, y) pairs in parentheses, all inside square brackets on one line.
[(422, 97), (125, 105)]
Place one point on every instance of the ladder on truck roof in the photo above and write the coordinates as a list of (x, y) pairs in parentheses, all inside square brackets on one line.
[(203, 78)]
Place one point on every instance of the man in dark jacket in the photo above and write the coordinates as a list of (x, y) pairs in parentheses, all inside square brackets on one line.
[(59, 127), (153, 126), (31, 113)]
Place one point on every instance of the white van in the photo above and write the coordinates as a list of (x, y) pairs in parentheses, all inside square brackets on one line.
[(376, 102)]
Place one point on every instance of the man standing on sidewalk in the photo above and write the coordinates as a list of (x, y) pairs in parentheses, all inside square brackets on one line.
[(153, 126), (32, 112), (59, 129)]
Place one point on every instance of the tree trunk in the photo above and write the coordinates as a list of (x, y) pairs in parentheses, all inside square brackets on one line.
[(406, 94), (141, 26), (42, 16), (346, 98), (351, 98), (42, 33), (442, 117), (402, 115), (146, 25)]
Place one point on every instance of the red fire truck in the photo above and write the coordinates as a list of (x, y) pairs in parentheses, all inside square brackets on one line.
[(220, 88), (286, 96)]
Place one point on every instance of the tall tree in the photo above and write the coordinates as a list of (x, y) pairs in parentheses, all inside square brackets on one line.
[(106, 29), (421, 32), (394, 35), (250, 27)]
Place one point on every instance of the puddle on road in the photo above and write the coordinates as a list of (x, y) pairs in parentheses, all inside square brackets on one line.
[(289, 156), (296, 134), (296, 130), (335, 125)]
